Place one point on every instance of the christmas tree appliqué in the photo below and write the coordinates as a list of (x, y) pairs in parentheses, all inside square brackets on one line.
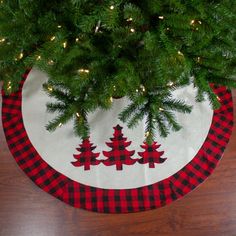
[(86, 157), (119, 155), (151, 155)]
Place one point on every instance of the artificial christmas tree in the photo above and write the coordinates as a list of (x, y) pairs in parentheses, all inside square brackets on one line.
[(94, 50), (119, 155), (86, 157), (151, 155)]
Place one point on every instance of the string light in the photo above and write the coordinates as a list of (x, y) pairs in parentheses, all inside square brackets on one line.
[(60, 125), (77, 114), (129, 19), (143, 88), (198, 59), (180, 53), (161, 17), (9, 85), (53, 38), (132, 30), (83, 71), (218, 98), (64, 44), (50, 62), (112, 7), (98, 26), (77, 40), (147, 134), (192, 22), (170, 84), (111, 99), (38, 58), (50, 89), (59, 26), (161, 109), (21, 55), (2, 40)]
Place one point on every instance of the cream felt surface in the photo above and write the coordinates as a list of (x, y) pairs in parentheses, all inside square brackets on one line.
[(57, 148)]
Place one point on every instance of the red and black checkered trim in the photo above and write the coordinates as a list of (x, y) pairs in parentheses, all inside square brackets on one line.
[(109, 200)]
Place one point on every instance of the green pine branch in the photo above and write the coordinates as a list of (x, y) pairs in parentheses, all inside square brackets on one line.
[(95, 50)]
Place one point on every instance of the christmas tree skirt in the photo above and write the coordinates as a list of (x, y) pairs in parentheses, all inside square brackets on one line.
[(114, 170)]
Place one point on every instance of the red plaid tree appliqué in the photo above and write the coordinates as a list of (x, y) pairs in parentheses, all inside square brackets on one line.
[(151, 155), (119, 155), (86, 157)]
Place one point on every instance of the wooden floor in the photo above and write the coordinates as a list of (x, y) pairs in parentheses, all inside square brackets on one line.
[(210, 210)]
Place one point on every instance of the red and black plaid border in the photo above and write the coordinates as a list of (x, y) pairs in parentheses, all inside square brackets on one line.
[(109, 200)]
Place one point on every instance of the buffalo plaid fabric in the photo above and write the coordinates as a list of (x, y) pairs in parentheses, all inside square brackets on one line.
[(124, 200), (151, 155), (86, 157), (119, 155)]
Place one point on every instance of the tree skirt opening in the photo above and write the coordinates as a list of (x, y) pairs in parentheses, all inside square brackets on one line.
[(114, 170)]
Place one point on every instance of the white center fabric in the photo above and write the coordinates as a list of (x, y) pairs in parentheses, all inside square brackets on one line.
[(57, 148)]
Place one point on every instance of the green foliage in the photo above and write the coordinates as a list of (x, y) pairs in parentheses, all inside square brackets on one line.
[(94, 50), (158, 109)]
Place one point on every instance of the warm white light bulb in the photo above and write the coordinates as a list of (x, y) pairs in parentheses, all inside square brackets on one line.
[(64, 44), (50, 89), (170, 84), (83, 71), (53, 38), (143, 88), (50, 62), (38, 58), (21, 55), (2, 40), (180, 53)]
